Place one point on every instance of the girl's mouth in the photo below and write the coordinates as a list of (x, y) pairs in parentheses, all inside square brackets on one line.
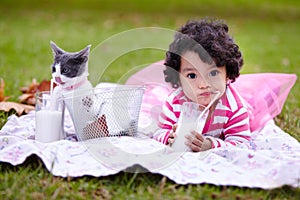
[(210, 93), (206, 94)]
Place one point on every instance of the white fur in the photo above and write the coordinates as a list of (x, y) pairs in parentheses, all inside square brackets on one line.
[(74, 93), (74, 98), (68, 82)]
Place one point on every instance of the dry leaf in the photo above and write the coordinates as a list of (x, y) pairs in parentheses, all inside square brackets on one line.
[(27, 99), (28, 96), (45, 86), (18, 107), (32, 88), (2, 85)]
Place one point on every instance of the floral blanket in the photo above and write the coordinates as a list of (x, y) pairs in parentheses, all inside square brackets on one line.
[(271, 160)]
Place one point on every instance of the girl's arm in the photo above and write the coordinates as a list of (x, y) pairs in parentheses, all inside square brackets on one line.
[(168, 117), (236, 130)]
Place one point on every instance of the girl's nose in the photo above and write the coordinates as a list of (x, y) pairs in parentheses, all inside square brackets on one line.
[(202, 83)]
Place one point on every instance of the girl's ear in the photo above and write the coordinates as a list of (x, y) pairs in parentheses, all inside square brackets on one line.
[(228, 81)]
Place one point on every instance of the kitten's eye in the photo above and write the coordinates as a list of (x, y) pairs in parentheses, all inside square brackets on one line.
[(53, 69), (65, 70), (192, 76), (213, 73)]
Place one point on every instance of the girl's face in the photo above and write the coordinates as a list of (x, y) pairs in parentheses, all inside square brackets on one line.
[(201, 81)]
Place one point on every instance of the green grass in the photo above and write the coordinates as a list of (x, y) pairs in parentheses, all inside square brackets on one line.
[(31, 180), (266, 31)]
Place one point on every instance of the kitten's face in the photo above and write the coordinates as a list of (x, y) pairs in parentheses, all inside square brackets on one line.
[(69, 68)]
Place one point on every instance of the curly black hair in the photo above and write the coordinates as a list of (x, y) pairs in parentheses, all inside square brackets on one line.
[(210, 39)]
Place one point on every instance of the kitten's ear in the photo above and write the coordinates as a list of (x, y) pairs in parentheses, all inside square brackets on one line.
[(55, 49), (85, 52)]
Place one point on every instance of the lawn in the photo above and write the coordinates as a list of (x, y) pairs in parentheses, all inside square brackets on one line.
[(266, 31)]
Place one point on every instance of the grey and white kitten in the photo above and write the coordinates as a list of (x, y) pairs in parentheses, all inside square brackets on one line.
[(70, 70), (70, 73), (90, 109)]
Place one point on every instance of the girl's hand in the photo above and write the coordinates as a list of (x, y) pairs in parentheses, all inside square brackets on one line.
[(172, 135), (197, 142)]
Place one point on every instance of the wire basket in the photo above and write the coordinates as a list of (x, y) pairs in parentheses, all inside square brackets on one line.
[(105, 112)]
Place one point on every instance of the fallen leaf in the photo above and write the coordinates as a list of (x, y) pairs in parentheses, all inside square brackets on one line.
[(29, 92), (27, 98), (32, 88), (45, 86), (2, 86), (18, 107)]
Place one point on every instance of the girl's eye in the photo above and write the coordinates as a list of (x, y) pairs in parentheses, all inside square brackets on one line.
[(65, 70), (214, 73), (192, 76)]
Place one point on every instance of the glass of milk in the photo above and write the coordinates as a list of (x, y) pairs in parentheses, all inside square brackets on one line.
[(191, 118), (48, 118)]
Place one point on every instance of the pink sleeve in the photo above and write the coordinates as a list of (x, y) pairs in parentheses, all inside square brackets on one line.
[(166, 120), (236, 130)]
